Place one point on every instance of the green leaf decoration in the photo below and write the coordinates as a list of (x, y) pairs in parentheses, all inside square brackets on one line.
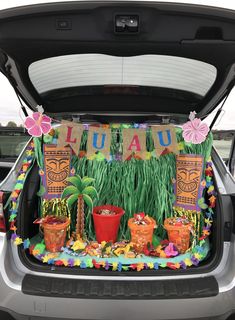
[(70, 190), (41, 191), (76, 181), (72, 199), (88, 201), (91, 191), (12, 217), (86, 181), (202, 204), (40, 247)]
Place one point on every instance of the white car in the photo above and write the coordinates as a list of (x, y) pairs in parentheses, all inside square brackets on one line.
[(117, 62)]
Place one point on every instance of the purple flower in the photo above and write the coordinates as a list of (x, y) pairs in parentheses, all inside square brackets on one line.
[(40, 256), (106, 265), (183, 265), (170, 250), (71, 262), (194, 260), (14, 236)]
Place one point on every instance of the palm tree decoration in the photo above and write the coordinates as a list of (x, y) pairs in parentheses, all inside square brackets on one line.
[(81, 191)]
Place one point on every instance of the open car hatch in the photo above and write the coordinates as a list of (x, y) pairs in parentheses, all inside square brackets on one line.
[(116, 57)]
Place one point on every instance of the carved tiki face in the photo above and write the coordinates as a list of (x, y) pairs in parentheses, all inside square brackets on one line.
[(57, 169), (188, 180)]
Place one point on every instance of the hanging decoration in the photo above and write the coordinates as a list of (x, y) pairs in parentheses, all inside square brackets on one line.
[(188, 189), (99, 139), (134, 143), (195, 131), (70, 134), (57, 168), (164, 138), (38, 124)]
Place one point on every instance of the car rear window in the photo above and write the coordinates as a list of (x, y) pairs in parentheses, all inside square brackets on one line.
[(92, 70), (12, 142)]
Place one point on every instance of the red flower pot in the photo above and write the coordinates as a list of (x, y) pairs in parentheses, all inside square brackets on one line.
[(106, 226)]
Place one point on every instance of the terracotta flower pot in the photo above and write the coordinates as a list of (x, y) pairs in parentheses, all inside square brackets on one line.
[(55, 234), (106, 226), (141, 234), (178, 234)]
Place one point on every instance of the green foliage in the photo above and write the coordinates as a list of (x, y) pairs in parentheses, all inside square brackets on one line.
[(80, 187), (135, 185)]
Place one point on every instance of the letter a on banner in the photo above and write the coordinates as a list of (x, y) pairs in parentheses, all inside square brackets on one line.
[(164, 138), (70, 133), (134, 141), (99, 139)]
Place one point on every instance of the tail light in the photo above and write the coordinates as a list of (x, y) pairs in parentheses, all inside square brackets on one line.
[(2, 217)]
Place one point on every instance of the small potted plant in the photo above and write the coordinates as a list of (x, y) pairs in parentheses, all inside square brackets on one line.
[(107, 221), (178, 230), (141, 227), (55, 228)]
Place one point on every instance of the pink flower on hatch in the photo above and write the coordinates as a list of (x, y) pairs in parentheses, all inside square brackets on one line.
[(195, 131), (38, 124)]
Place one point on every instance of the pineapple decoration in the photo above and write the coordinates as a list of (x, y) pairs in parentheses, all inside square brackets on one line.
[(82, 192)]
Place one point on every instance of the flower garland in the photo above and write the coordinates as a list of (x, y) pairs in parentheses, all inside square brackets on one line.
[(15, 195)]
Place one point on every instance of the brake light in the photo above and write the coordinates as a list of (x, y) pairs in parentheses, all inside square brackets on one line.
[(2, 218)]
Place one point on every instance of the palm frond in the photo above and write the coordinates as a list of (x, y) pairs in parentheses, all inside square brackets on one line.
[(91, 191), (69, 191)]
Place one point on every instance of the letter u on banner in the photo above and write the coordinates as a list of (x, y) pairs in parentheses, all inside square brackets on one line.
[(70, 133), (99, 139), (134, 141), (164, 138)]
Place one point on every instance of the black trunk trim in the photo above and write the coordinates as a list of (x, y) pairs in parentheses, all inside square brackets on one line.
[(131, 290)]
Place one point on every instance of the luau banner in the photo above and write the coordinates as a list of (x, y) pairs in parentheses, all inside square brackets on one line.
[(134, 140)]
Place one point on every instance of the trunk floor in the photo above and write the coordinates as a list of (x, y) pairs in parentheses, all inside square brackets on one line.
[(193, 257)]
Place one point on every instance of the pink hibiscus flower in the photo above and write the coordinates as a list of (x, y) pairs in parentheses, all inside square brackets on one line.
[(195, 131), (38, 124)]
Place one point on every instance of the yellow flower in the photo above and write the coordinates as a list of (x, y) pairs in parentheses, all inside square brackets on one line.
[(78, 245), (188, 262), (116, 125), (197, 256), (18, 241), (177, 265), (208, 221), (148, 156), (150, 265), (13, 205), (108, 250), (103, 243), (115, 265), (180, 146), (21, 177), (92, 157), (45, 259), (77, 262)]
